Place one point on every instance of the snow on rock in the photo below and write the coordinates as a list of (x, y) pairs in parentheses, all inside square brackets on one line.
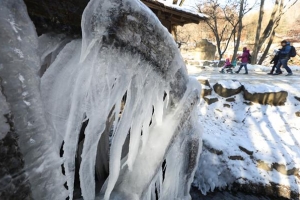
[(210, 99), (206, 88), (261, 88), (227, 88), (230, 84), (170, 4), (254, 148), (265, 94)]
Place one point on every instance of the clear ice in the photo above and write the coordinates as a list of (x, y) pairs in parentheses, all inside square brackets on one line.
[(115, 107)]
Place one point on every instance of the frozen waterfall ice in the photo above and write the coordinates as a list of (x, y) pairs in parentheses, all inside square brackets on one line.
[(114, 112)]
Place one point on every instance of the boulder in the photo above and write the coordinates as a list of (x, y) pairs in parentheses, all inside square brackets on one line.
[(206, 91), (298, 98), (210, 99), (204, 82), (232, 99), (265, 94), (227, 88), (268, 98), (206, 50), (193, 62), (298, 114), (248, 103), (206, 63), (226, 105), (206, 88)]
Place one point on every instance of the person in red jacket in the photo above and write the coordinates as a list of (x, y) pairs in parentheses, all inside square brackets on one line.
[(244, 59)]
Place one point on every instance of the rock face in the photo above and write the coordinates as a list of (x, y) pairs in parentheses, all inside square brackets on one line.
[(226, 92), (210, 99), (254, 94), (206, 49), (11, 164), (206, 91), (268, 98), (232, 99), (206, 88)]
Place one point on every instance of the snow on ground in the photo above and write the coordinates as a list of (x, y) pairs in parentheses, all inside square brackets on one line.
[(249, 143)]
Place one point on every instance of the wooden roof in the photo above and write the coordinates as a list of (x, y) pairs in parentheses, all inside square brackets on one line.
[(65, 15), (175, 14)]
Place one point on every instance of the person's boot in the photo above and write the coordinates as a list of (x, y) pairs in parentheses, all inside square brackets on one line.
[(222, 71), (238, 71), (289, 74), (246, 69)]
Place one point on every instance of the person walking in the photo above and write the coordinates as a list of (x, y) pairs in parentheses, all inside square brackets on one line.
[(274, 61), (244, 59), (284, 56)]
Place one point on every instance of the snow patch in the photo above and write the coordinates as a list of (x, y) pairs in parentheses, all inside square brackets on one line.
[(230, 84), (261, 88)]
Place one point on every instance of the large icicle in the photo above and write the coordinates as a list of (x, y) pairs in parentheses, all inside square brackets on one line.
[(125, 79)]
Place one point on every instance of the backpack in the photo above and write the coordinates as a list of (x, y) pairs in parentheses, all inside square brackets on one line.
[(249, 58), (292, 52)]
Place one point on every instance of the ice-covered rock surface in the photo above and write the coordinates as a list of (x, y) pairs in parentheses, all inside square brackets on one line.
[(124, 80), (19, 65)]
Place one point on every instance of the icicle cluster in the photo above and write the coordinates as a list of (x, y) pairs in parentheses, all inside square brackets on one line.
[(117, 105)]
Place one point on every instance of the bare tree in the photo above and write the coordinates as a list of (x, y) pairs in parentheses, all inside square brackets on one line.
[(225, 21), (244, 8), (175, 2), (181, 36), (279, 9), (258, 31)]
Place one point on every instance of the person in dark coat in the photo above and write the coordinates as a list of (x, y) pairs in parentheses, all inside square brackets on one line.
[(284, 56), (274, 61)]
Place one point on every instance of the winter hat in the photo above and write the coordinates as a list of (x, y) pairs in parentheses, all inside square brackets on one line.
[(284, 41)]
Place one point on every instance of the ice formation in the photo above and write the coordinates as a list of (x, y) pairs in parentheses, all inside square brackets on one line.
[(116, 105)]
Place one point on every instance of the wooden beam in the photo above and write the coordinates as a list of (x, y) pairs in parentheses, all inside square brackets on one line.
[(189, 17)]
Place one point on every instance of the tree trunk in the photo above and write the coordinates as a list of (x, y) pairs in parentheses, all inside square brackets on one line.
[(272, 36), (239, 32), (219, 48), (275, 17), (181, 3), (267, 48), (258, 30)]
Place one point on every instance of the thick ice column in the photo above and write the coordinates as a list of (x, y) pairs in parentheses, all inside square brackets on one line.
[(19, 65), (178, 140), (128, 29)]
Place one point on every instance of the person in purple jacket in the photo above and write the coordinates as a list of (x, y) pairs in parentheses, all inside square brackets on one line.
[(244, 59)]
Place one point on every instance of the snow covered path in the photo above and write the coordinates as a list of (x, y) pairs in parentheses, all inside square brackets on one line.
[(246, 143), (256, 75)]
